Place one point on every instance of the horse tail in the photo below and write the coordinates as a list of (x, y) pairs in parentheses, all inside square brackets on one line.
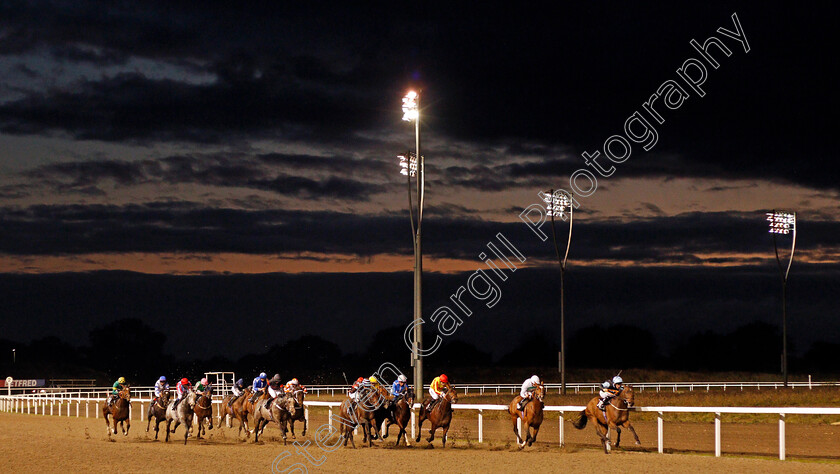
[(580, 422)]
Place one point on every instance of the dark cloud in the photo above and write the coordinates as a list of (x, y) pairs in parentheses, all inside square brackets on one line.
[(185, 227)]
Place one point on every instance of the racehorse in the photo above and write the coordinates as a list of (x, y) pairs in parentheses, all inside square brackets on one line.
[(204, 410), (615, 416), (361, 414), (183, 414), (279, 410), (300, 414), (119, 412), (401, 416), (158, 411), (532, 416), (236, 410), (439, 417)]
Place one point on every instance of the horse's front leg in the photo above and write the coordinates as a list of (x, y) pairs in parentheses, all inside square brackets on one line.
[(443, 435), (177, 423), (604, 435), (127, 426), (617, 436), (516, 431), (304, 426), (633, 430), (431, 433), (420, 420), (534, 436), (292, 428)]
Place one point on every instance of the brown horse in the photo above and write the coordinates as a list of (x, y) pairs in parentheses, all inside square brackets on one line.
[(279, 410), (615, 416), (204, 411), (361, 414), (119, 411), (532, 416), (300, 414), (236, 410), (401, 416), (158, 411), (439, 417)]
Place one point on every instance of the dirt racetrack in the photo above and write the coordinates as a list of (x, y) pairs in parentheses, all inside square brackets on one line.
[(49, 443)]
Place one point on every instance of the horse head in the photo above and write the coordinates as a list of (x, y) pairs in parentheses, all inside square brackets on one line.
[(409, 398), (452, 396), (298, 396), (288, 404), (125, 393), (191, 399), (164, 398), (540, 392), (628, 396)]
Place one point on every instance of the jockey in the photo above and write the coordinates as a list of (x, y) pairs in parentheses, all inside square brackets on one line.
[(118, 386), (181, 389), (439, 386), (400, 387), (374, 383), (609, 389), (527, 391), (291, 386), (353, 393), (398, 390), (275, 388), (237, 390), (202, 386), (160, 387), (260, 382)]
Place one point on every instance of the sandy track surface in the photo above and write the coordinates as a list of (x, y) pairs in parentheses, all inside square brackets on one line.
[(51, 444)]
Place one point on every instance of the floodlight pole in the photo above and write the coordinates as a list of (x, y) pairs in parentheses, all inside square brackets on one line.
[(562, 260), (783, 273), (418, 262), (411, 111)]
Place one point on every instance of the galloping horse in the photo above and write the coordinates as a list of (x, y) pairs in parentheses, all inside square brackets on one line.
[(183, 414), (158, 411), (119, 412), (279, 410), (532, 416), (300, 414), (401, 416), (615, 416), (236, 410), (361, 414), (204, 410), (439, 417)]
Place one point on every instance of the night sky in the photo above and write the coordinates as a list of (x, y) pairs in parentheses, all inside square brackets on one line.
[(191, 164)]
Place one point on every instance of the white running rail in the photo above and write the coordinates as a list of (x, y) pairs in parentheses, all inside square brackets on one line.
[(40, 403)]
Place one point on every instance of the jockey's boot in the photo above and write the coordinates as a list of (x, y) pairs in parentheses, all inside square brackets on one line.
[(521, 405), (602, 404), (232, 399), (267, 403)]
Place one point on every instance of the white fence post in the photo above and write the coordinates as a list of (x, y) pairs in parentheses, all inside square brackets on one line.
[(413, 435), (329, 415), (561, 433), (659, 432), (782, 436), (717, 435), (480, 426)]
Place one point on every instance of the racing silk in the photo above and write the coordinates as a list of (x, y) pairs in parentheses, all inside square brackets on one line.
[(398, 388), (236, 390), (438, 387), (116, 388), (160, 387), (200, 387), (290, 387), (259, 384), (527, 388), (182, 388)]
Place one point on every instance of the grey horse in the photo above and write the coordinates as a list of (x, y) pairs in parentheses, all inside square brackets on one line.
[(183, 415)]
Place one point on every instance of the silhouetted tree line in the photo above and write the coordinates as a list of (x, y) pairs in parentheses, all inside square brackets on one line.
[(137, 353)]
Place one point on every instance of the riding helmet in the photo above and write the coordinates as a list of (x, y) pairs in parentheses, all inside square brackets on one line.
[(617, 380), (262, 375), (402, 378), (184, 381), (162, 378), (444, 378)]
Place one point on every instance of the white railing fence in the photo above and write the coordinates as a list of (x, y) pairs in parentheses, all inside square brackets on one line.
[(474, 389), (40, 405)]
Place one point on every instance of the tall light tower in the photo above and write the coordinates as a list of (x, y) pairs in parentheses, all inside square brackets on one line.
[(557, 202), (784, 223), (415, 168)]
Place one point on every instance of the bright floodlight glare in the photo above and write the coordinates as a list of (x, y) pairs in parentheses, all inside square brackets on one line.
[(409, 107), (408, 164), (781, 222), (556, 204)]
